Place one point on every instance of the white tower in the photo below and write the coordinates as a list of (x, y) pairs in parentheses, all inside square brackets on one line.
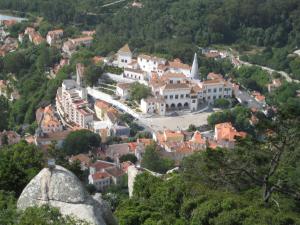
[(195, 68)]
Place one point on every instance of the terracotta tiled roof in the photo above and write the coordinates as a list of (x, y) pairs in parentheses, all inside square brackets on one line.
[(115, 172), (100, 175), (176, 63), (99, 165), (97, 59), (102, 104), (132, 146), (176, 86), (152, 58), (213, 76), (83, 158), (125, 165), (125, 49), (145, 141), (169, 75), (197, 138), (214, 81), (225, 131)]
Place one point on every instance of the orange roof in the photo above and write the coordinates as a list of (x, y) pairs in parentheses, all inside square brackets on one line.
[(132, 146), (214, 81), (37, 39), (125, 165), (125, 49), (99, 165), (213, 76), (213, 144), (260, 98), (225, 131), (102, 104), (176, 63), (9, 23), (55, 32), (83, 158), (173, 135), (82, 39), (176, 86), (197, 138), (100, 175), (169, 75), (145, 141), (97, 59)]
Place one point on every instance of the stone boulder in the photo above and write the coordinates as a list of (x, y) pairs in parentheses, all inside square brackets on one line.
[(60, 188)]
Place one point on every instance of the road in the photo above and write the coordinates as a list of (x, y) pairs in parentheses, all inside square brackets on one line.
[(113, 3), (244, 96), (269, 70)]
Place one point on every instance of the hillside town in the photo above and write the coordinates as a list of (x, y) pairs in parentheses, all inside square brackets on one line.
[(174, 86), (97, 121)]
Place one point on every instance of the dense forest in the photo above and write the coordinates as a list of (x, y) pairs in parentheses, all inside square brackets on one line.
[(174, 26)]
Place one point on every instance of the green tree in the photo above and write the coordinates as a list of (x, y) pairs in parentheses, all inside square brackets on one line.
[(18, 165), (81, 141), (222, 103), (45, 215), (253, 164), (138, 91), (92, 74), (4, 113), (128, 157), (152, 161)]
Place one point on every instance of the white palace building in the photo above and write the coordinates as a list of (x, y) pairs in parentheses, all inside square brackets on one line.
[(174, 85)]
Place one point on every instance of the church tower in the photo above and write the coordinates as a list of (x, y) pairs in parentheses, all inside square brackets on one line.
[(195, 68)]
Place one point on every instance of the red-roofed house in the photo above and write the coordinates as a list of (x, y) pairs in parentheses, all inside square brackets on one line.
[(225, 135), (84, 160)]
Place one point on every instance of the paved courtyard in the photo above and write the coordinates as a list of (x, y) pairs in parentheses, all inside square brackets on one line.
[(181, 122)]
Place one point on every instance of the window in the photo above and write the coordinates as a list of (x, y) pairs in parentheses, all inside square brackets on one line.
[(171, 81), (220, 89), (178, 82), (122, 60), (193, 101), (215, 90), (126, 60), (171, 96), (181, 96), (166, 96), (176, 96), (187, 95), (209, 90), (162, 105), (214, 97), (208, 97)]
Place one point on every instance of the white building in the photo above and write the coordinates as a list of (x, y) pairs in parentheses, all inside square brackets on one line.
[(153, 105), (54, 37), (71, 103), (135, 74), (122, 90), (150, 63), (176, 66), (124, 56)]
